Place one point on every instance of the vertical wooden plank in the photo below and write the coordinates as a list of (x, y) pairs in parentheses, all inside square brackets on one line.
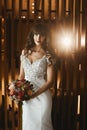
[(35, 9), (71, 4), (57, 8), (4, 69), (63, 8), (12, 43), (75, 71), (20, 7), (0, 36), (78, 72), (0, 7), (20, 116), (84, 20), (49, 9), (12, 56), (63, 76), (70, 74), (42, 12), (6, 82), (28, 9), (77, 22), (83, 114)]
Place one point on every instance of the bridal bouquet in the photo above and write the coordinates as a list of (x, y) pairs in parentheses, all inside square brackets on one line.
[(20, 90)]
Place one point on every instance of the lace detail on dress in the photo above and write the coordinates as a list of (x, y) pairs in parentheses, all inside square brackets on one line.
[(50, 59), (35, 70)]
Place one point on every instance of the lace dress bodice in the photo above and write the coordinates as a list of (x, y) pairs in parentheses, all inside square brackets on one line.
[(35, 72), (31, 69)]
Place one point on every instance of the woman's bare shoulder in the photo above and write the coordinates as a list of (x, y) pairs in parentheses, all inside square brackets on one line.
[(24, 52)]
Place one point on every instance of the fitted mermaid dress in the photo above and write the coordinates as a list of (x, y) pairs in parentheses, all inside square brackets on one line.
[(36, 112)]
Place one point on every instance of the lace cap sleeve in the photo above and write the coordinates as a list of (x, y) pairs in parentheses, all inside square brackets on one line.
[(50, 59)]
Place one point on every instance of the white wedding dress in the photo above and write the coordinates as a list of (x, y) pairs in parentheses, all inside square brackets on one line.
[(36, 113)]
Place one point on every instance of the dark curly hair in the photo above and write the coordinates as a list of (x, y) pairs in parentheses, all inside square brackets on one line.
[(37, 28)]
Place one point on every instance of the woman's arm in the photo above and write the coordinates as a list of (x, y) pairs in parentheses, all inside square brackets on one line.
[(49, 83), (21, 75)]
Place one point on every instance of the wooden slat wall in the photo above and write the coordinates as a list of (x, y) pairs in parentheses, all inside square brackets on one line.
[(72, 68)]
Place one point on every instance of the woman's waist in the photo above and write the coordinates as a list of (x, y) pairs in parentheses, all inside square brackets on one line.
[(36, 82), (35, 79)]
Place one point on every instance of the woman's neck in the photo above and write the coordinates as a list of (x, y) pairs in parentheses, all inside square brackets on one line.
[(37, 49)]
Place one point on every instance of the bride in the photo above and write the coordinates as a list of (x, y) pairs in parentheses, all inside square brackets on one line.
[(37, 66)]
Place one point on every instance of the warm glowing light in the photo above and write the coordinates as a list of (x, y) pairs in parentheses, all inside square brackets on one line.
[(3, 89), (62, 40), (33, 4), (58, 80), (80, 67), (32, 12), (32, 7), (3, 31), (39, 17), (2, 20), (23, 17), (78, 107), (54, 17), (66, 41), (10, 78), (83, 41), (2, 40)]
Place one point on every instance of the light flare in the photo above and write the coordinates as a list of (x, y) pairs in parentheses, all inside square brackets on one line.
[(83, 41), (66, 42), (62, 40)]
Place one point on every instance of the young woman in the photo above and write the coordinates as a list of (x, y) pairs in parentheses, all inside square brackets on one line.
[(37, 66)]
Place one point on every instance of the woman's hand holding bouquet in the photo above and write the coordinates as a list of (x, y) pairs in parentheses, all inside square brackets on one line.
[(20, 90)]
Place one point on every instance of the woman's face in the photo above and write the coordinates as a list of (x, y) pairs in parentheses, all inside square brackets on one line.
[(38, 39)]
